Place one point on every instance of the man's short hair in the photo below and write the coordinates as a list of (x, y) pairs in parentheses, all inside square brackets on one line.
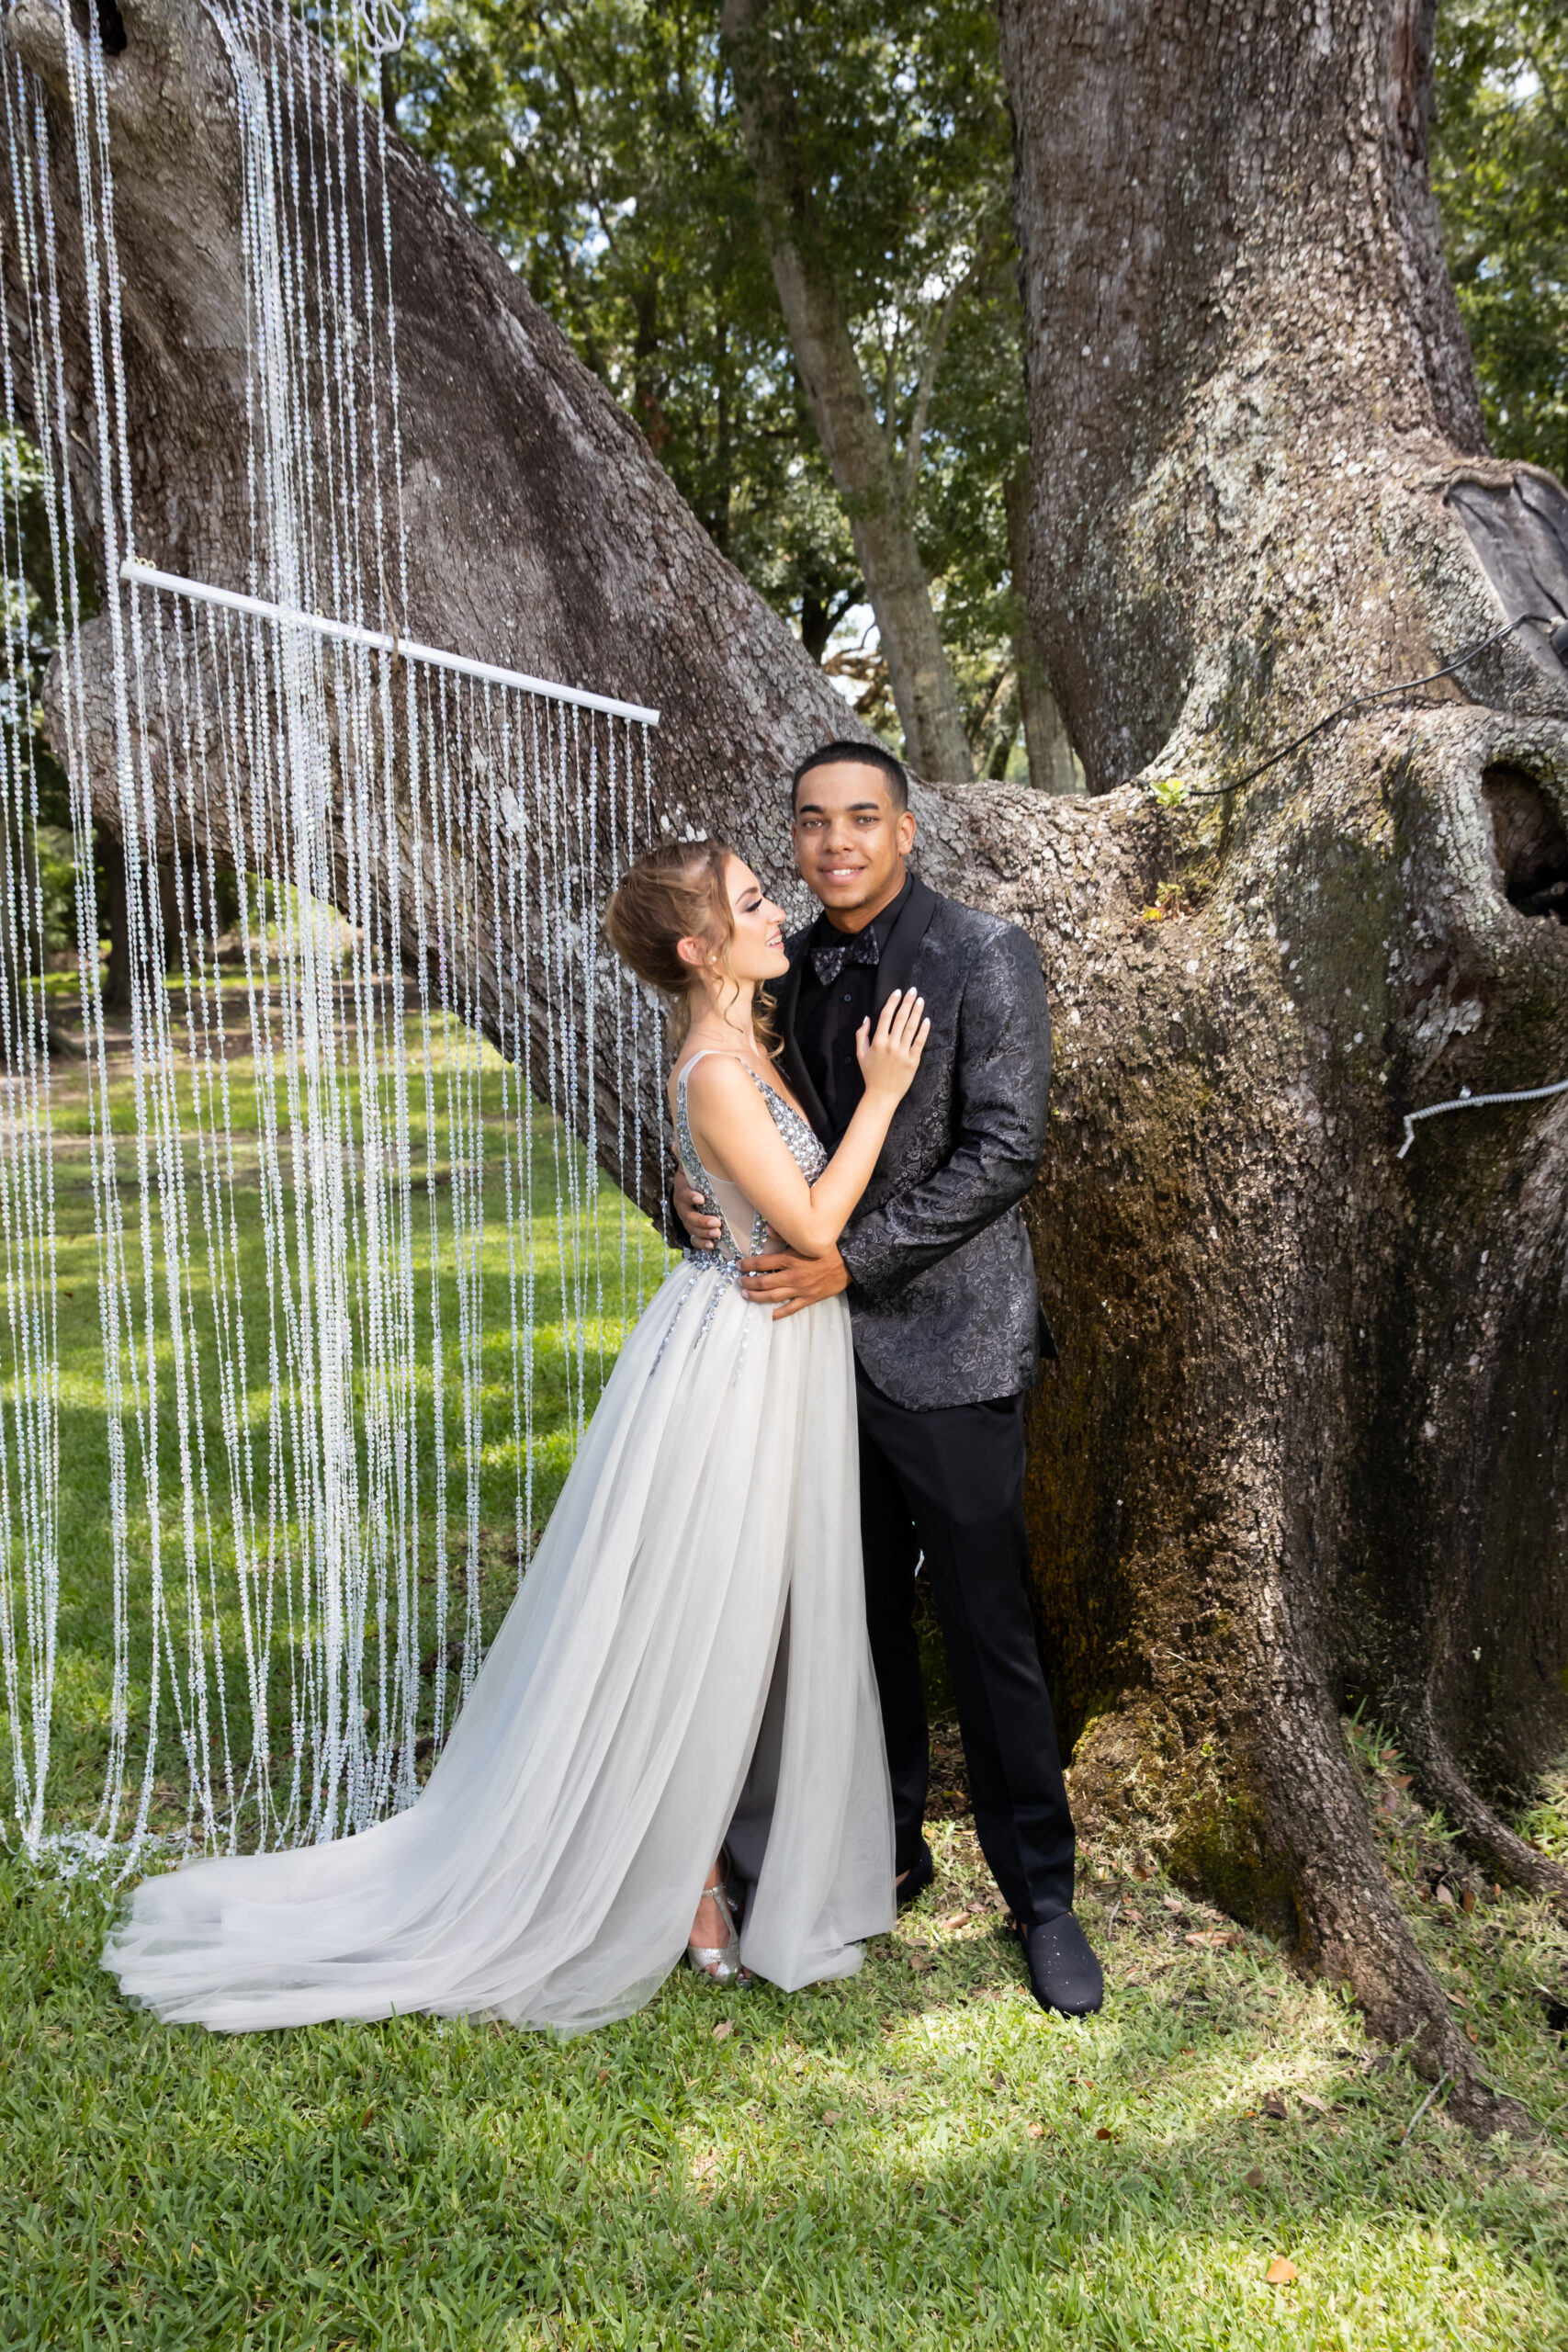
[(862, 755)]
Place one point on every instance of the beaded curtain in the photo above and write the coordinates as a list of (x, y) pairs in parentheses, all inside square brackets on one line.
[(356, 1273)]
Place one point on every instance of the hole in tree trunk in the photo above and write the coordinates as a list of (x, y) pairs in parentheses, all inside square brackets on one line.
[(1532, 848), (111, 24)]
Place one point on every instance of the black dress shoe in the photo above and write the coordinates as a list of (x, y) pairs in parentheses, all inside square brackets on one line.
[(917, 1878), (1062, 1971)]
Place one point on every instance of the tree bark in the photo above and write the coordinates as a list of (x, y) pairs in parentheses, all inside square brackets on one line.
[(1307, 1446), (1051, 767), (117, 909), (858, 450), (1305, 1384), (162, 879)]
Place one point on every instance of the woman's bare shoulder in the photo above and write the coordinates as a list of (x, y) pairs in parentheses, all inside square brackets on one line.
[(714, 1075)]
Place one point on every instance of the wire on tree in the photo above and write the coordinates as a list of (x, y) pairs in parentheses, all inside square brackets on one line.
[(1557, 636)]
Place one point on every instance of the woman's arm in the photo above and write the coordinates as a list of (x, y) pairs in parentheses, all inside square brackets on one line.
[(737, 1139)]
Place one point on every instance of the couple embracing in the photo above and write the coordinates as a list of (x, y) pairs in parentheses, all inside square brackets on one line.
[(701, 1724)]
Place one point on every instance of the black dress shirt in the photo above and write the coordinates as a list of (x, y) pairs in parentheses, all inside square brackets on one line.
[(827, 1013)]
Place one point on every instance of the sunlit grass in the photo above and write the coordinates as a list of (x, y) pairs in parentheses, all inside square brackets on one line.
[(917, 2158)]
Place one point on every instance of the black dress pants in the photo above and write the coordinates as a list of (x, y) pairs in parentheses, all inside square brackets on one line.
[(950, 1484)]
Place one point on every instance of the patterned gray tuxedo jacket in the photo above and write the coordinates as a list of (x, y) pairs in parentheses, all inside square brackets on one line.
[(944, 1299)]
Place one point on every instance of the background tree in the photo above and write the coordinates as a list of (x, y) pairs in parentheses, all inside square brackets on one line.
[(1500, 171), (599, 144), (838, 123), (592, 143)]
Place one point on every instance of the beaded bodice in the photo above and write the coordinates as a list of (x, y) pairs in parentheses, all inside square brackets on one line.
[(725, 1200)]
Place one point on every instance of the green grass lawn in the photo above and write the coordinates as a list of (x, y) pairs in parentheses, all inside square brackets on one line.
[(918, 2158)]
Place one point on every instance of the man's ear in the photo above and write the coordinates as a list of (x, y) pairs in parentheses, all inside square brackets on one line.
[(905, 834)]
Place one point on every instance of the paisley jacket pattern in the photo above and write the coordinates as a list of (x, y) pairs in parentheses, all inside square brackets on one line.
[(943, 1299)]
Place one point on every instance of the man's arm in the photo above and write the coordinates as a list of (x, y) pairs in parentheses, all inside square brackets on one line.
[(1002, 1080)]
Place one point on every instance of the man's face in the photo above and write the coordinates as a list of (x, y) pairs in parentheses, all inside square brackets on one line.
[(850, 840)]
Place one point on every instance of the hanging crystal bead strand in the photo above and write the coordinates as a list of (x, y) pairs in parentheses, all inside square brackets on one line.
[(28, 1439)]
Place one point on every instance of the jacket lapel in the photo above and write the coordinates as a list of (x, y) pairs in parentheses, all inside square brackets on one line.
[(788, 998), (897, 969)]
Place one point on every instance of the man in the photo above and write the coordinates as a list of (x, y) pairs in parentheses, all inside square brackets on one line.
[(947, 1326)]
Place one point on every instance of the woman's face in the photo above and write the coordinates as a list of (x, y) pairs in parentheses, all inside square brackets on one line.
[(756, 950)]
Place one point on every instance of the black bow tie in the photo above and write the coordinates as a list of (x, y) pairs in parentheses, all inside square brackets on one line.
[(829, 956)]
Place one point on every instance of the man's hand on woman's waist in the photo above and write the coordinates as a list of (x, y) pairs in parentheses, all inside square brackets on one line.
[(791, 1282)]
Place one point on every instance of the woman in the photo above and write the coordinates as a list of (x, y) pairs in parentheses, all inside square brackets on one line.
[(687, 1658)]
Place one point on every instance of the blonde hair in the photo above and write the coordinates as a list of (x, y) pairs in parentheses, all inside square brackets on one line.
[(678, 891)]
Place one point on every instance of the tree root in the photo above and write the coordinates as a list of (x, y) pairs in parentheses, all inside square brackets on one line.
[(1442, 1784), (1351, 1926)]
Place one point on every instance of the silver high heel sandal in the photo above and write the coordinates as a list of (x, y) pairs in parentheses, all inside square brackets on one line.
[(720, 1963)]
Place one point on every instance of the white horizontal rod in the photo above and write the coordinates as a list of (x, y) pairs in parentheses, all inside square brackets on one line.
[(233, 602)]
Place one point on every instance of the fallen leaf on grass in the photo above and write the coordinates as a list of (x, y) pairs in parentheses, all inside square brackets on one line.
[(1457, 1999), (920, 1962), (604, 2074), (722, 2032), (1467, 1900), (1105, 2132), (1281, 2273), (832, 2115), (1252, 2179), (1274, 2106), (956, 1919), (1037, 2132), (1445, 1893), (1472, 2034), (1318, 2106), (1173, 1903)]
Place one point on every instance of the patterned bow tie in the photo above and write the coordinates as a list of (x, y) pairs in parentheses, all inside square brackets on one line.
[(829, 957)]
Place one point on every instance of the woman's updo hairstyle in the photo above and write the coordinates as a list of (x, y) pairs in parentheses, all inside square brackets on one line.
[(676, 891)]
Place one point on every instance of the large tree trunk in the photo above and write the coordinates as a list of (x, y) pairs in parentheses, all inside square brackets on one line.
[(1306, 1385), (858, 450), (1307, 1445)]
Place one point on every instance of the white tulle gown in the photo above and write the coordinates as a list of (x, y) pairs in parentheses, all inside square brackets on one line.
[(687, 1660)]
